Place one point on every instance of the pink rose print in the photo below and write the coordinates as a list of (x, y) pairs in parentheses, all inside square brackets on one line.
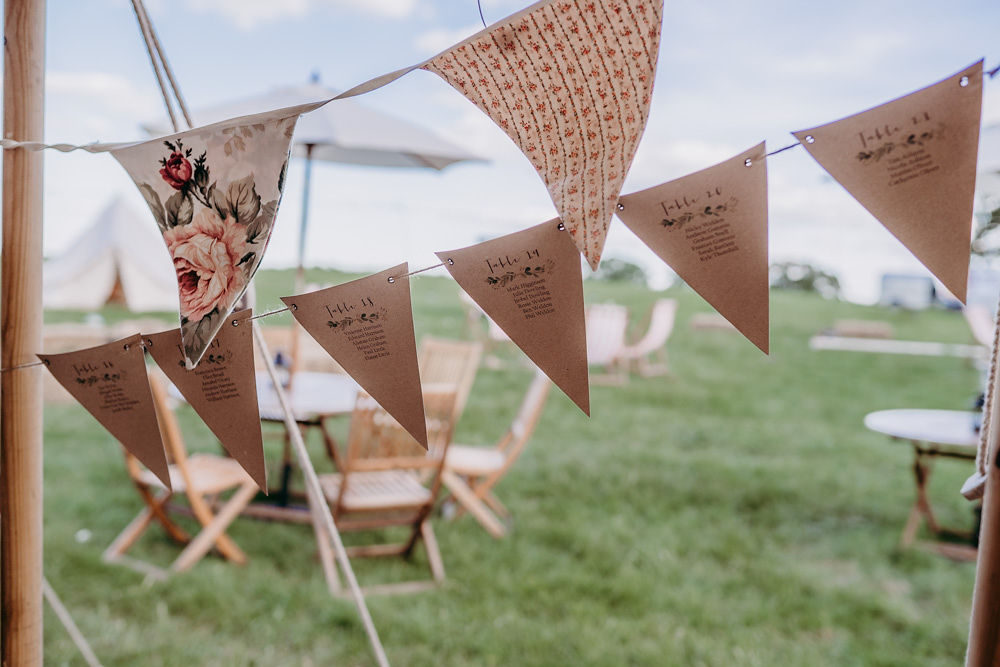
[(206, 256), (176, 170)]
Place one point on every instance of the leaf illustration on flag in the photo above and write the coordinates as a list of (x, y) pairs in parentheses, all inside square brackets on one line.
[(530, 283), (222, 389), (214, 193), (110, 382), (570, 82), (912, 163), (367, 326), (711, 228)]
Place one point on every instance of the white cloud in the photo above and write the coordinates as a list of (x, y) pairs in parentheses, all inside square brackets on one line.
[(248, 14)]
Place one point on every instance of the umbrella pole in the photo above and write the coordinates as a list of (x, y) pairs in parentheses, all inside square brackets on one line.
[(21, 314), (300, 270)]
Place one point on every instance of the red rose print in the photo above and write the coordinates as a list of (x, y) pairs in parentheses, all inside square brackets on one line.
[(177, 171)]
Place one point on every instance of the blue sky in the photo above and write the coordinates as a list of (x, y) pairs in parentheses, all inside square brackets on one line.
[(731, 74)]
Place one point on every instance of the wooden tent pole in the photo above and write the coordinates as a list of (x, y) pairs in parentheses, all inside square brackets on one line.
[(21, 337), (984, 628)]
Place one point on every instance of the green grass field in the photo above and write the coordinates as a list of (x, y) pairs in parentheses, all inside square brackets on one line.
[(736, 512)]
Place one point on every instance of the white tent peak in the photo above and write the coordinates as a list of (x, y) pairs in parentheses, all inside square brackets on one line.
[(120, 257)]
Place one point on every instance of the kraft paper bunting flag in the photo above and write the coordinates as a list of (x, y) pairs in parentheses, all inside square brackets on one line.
[(222, 389), (214, 192), (110, 382), (570, 82), (366, 325), (711, 228), (530, 283), (912, 163)]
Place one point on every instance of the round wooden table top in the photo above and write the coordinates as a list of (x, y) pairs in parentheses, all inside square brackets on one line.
[(954, 428)]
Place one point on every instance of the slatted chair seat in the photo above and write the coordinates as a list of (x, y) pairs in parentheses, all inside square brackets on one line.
[(209, 474), (376, 490), (474, 461)]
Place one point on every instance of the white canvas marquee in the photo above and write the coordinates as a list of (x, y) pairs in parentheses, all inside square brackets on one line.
[(119, 258)]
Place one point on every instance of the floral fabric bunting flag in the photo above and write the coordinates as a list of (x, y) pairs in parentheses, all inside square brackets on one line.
[(530, 283), (570, 83), (222, 389), (912, 163), (367, 326), (214, 192), (711, 228), (110, 382)]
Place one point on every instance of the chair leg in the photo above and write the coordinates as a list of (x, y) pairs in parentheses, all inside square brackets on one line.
[(495, 504), (138, 525), (214, 531), (472, 503), (203, 513), (326, 556), (433, 553), (127, 537), (157, 504)]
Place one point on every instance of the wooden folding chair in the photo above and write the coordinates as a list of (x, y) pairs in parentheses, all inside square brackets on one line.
[(470, 473), (388, 480), (606, 325), (202, 478), (654, 341)]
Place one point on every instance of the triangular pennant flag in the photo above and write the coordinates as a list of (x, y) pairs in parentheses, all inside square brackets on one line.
[(912, 163), (110, 382), (366, 325), (222, 389), (530, 283), (711, 228), (570, 82), (214, 192)]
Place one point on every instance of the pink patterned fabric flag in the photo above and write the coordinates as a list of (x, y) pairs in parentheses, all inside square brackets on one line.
[(214, 193), (570, 82)]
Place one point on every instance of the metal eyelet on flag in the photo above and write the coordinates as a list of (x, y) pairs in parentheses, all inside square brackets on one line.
[(964, 81), (748, 162), (451, 262), (810, 139), (620, 206), (236, 323), (391, 280), (561, 227)]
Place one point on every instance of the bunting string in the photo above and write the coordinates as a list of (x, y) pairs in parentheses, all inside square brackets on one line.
[(782, 150), (20, 366), (101, 147), (268, 314)]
